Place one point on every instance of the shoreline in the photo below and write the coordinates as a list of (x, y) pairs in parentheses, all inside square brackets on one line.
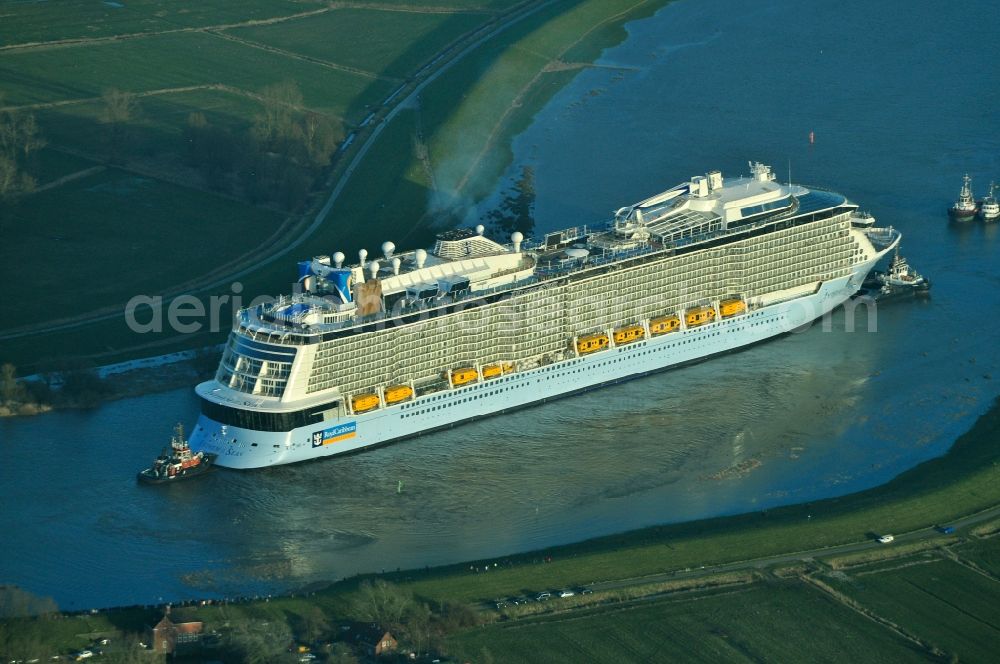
[(141, 377), (961, 485)]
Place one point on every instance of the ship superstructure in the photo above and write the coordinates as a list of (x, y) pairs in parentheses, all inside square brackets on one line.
[(413, 341)]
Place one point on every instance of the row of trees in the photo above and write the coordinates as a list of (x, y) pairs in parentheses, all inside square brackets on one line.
[(419, 625), (276, 161), (20, 140)]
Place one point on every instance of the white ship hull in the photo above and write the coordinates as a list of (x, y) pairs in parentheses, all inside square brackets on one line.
[(243, 448)]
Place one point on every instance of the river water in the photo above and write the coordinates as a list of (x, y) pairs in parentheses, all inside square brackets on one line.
[(901, 98)]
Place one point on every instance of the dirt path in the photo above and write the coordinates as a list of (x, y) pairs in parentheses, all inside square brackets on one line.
[(220, 87), (333, 6), (411, 9), (304, 58), (92, 41), (69, 178)]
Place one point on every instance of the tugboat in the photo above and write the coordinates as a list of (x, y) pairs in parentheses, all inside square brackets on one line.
[(177, 462), (901, 279), (989, 210), (964, 208)]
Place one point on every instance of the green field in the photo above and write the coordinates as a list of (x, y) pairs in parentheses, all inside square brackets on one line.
[(111, 235), (985, 554), (30, 22), (177, 60), (402, 42), (787, 622), (950, 606)]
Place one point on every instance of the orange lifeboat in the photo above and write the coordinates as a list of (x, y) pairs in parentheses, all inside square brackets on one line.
[(591, 343), (732, 307), (664, 324), (699, 316), (361, 403), (628, 334), (397, 393), (463, 375)]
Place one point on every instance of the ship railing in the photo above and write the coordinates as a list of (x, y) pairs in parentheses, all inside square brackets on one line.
[(575, 264), (882, 237)]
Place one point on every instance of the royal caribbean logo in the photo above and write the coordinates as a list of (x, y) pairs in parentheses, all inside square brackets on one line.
[(334, 434)]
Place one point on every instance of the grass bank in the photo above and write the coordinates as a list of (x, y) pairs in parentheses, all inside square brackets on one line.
[(964, 481)]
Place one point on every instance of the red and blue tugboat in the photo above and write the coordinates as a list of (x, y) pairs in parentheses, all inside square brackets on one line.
[(177, 462)]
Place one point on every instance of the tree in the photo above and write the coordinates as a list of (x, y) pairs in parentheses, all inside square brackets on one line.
[(417, 627), (320, 139), (20, 139), (17, 603), (119, 110), (280, 102), (10, 390), (119, 106), (18, 643), (312, 625), (341, 653), (382, 603), (258, 642)]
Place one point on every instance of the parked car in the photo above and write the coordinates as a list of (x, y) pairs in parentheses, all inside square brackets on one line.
[(84, 654), (885, 539), (544, 596), (566, 593)]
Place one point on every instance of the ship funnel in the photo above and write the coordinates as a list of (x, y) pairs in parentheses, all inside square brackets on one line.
[(305, 269), (516, 238), (341, 281), (363, 255), (420, 256), (387, 249), (338, 259), (395, 265), (373, 268), (480, 229)]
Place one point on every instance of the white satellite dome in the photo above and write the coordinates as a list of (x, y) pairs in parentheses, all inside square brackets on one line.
[(516, 239)]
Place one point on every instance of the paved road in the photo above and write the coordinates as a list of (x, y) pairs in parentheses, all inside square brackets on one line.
[(793, 557)]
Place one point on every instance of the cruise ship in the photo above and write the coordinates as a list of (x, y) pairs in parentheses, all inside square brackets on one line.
[(385, 349)]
